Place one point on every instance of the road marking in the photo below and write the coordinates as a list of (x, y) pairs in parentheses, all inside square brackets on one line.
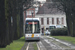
[(27, 46)]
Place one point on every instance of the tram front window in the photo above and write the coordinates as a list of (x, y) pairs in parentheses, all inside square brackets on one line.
[(32, 27)]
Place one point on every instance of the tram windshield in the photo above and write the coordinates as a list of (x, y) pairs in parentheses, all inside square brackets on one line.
[(32, 27)]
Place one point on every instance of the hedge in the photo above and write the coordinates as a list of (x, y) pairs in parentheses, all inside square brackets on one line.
[(59, 32)]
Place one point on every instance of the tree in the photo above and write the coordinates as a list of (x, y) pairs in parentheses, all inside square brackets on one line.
[(11, 19)]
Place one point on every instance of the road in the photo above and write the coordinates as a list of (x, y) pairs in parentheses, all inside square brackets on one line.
[(48, 43)]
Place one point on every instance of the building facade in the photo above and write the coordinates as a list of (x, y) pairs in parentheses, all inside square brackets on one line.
[(47, 20)]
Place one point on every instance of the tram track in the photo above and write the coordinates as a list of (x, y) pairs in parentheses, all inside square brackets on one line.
[(30, 45), (38, 47), (27, 46), (46, 43)]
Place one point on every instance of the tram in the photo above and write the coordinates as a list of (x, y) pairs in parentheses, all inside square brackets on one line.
[(32, 29)]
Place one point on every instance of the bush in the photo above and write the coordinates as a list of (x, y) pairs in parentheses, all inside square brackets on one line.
[(59, 32)]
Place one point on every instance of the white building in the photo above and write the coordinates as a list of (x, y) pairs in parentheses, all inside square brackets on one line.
[(50, 16), (49, 19)]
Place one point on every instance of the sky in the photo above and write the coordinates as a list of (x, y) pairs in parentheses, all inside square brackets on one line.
[(40, 0)]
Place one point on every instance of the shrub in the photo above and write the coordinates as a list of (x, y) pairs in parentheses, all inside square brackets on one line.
[(59, 32)]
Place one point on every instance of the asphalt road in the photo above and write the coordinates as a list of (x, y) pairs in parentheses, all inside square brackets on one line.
[(48, 43)]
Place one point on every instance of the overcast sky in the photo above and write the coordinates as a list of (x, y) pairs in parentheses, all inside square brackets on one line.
[(40, 0)]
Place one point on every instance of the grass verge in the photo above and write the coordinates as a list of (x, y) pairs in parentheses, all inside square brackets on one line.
[(16, 45), (66, 38), (35, 46)]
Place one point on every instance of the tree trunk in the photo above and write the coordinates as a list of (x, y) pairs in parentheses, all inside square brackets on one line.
[(69, 23)]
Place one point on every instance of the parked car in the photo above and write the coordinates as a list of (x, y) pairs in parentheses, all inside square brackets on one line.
[(51, 27), (59, 26)]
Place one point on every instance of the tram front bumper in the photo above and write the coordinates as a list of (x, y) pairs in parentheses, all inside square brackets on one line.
[(32, 38)]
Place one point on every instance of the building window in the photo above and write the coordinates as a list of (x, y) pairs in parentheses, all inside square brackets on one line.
[(62, 20), (28, 13), (47, 20), (52, 20), (42, 21), (57, 20)]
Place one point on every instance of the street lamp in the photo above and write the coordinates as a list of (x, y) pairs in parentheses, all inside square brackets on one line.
[(32, 22), (32, 13)]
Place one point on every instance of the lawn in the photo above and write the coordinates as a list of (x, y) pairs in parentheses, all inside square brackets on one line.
[(66, 38), (16, 45)]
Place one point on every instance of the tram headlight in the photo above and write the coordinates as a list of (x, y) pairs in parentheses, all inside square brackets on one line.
[(27, 35), (37, 35)]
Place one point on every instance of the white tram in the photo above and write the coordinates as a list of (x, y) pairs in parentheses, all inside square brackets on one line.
[(32, 29)]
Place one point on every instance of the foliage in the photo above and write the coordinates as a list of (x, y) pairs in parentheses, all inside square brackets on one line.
[(59, 32)]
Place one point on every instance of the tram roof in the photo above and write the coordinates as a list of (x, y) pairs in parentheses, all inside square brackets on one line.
[(32, 19)]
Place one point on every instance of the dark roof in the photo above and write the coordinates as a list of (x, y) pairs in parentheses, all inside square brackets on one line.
[(50, 8)]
